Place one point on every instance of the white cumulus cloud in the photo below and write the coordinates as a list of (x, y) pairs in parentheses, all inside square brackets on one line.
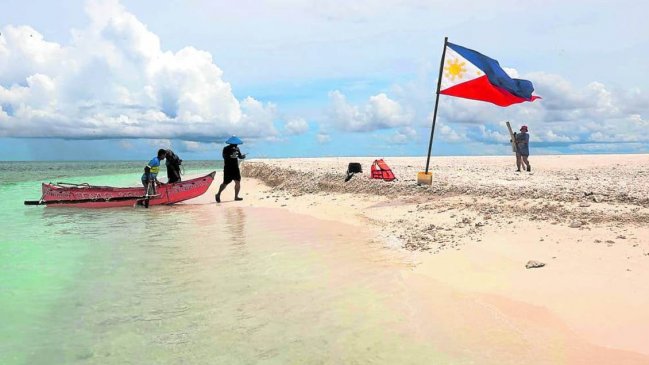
[(296, 126), (380, 112), (404, 135), (113, 80), (323, 138), (193, 146)]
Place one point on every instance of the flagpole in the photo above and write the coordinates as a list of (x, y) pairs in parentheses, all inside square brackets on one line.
[(439, 84)]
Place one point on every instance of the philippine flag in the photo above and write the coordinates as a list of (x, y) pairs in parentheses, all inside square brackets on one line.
[(472, 75)]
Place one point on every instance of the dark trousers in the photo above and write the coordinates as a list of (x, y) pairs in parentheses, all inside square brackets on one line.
[(173, 174)]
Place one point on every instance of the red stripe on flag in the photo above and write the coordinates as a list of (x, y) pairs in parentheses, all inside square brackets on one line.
[(482, 89)]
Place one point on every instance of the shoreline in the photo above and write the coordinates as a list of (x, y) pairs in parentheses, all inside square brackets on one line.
[(595, 246)]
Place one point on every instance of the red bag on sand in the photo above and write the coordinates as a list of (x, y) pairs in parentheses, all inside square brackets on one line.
[(381, 170)]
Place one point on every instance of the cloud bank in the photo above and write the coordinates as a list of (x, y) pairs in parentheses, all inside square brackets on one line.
[(567, 115), (380, 112), (590, 118), (113, 80)]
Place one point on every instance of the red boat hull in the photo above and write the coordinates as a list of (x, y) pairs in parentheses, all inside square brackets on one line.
[(88, 196)]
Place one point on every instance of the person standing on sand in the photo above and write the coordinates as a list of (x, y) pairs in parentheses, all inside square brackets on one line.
[(522, 149), (231, 156)]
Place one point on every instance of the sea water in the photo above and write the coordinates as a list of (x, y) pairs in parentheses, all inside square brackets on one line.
[(196, 283)]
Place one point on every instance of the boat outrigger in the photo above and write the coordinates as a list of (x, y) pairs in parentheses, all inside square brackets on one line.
[(90, 196)]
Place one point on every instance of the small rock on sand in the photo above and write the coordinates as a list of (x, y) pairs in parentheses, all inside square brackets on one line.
[(534, 264), (575, 224)]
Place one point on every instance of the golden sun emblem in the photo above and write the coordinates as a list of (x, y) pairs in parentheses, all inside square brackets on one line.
[(454, 69)]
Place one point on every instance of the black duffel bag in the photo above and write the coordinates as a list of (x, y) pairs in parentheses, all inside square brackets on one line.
[(353, 168)]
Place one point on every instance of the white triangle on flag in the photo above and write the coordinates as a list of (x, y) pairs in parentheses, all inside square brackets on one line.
[(457, 70)]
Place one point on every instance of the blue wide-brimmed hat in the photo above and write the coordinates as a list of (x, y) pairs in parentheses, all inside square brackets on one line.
[(234, 140)]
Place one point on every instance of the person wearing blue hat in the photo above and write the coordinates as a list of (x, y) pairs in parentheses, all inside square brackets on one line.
[(231, 156)]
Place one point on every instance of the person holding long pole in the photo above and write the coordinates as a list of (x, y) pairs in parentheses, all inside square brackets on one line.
[(522, 149)]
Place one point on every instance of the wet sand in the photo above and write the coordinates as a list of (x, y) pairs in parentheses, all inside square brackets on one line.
[(470, 236)]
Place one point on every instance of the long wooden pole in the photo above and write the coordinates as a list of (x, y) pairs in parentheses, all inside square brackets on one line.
[(439, 84)]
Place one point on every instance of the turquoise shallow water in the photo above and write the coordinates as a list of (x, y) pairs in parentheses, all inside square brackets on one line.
[(188, 284), (42, 250)]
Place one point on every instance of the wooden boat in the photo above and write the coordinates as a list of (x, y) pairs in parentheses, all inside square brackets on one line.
[(90, 196)]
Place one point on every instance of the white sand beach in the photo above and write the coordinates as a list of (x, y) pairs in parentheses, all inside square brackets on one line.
[(470, 235)]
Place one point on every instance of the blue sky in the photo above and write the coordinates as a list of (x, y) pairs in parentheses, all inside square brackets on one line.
[(116, 80)]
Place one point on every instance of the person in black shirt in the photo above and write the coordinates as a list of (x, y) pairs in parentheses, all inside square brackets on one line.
[(173, 163), (231, 156)]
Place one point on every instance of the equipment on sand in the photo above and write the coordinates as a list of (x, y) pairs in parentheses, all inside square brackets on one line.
[(424, 178), (89, 196), (353, 168), (381, 170)]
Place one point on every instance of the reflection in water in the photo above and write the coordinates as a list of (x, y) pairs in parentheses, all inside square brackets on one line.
[(235, 222)]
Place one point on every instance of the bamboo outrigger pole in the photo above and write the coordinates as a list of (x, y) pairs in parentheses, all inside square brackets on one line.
[(439, 84)]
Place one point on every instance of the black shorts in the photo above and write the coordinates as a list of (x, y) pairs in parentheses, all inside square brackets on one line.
[(231, 174)]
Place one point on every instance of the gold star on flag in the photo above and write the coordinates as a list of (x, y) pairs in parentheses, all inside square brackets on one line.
[(454, 69)]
